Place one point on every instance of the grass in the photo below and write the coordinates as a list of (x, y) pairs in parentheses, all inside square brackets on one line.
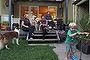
[(26, 52)]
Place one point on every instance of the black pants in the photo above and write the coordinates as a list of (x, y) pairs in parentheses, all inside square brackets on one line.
[(51, 23), (44, 31)]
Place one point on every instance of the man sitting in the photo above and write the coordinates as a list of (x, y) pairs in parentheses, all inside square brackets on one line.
[(43, 24)]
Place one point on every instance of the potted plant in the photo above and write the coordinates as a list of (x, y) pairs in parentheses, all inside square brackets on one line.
[(84, 25), (4, 25)]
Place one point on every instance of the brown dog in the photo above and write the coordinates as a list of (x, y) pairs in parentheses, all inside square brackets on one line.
[(6, 37)]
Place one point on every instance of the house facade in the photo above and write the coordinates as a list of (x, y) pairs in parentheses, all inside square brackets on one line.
[(76, 8), (19, 7)]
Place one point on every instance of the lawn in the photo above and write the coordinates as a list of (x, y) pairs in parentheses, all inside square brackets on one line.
[(28, 52)]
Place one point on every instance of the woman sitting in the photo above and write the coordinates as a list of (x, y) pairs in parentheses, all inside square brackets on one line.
[(27, 26)]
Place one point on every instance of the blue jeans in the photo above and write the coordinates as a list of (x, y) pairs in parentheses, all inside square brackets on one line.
[(30, 30)]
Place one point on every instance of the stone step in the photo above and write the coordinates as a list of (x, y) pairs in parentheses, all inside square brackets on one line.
[(50, 37)]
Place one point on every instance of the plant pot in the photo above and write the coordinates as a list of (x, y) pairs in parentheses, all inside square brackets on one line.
[(85, 46)]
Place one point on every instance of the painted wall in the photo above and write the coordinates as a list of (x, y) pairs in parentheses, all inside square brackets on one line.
[(64, 11), (0, 6), (70, 10), (3, 8)]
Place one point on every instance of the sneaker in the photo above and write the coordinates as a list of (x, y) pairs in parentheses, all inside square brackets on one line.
[(50, 27), (30, 39)]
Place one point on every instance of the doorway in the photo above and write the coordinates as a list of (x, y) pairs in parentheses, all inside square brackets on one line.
[(38, 11)]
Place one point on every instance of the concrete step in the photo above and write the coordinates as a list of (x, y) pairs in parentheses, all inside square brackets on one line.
[(51, 31), (41, 41), (45, 35)]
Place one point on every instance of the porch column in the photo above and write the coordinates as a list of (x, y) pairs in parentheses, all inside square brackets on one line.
[(9, 13), (89, 7), (66, 27), (89, 10), (66, 11)]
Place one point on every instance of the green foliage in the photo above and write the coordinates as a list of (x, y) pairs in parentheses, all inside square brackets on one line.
[(5, 23), (69, 21)]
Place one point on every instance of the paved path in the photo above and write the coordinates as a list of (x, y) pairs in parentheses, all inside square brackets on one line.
[(60, 51)]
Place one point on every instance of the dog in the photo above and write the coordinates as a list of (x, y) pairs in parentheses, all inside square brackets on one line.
[(7, 37)]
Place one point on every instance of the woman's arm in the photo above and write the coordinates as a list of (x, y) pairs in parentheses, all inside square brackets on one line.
[(24, 24)]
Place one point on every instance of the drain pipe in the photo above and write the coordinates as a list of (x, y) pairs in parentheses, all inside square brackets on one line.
[(9, 13), (66, 27)]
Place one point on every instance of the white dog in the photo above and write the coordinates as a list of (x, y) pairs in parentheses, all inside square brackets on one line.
[(7, 37)]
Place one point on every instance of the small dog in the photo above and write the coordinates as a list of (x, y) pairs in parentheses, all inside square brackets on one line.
[(7, 37)]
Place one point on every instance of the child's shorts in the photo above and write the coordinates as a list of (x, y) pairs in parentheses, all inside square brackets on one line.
[(70, 47)]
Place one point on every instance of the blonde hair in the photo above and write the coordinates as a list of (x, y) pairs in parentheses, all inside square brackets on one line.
[(72, 25)]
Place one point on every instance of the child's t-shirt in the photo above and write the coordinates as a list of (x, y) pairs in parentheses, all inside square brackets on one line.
[(71, 39)]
